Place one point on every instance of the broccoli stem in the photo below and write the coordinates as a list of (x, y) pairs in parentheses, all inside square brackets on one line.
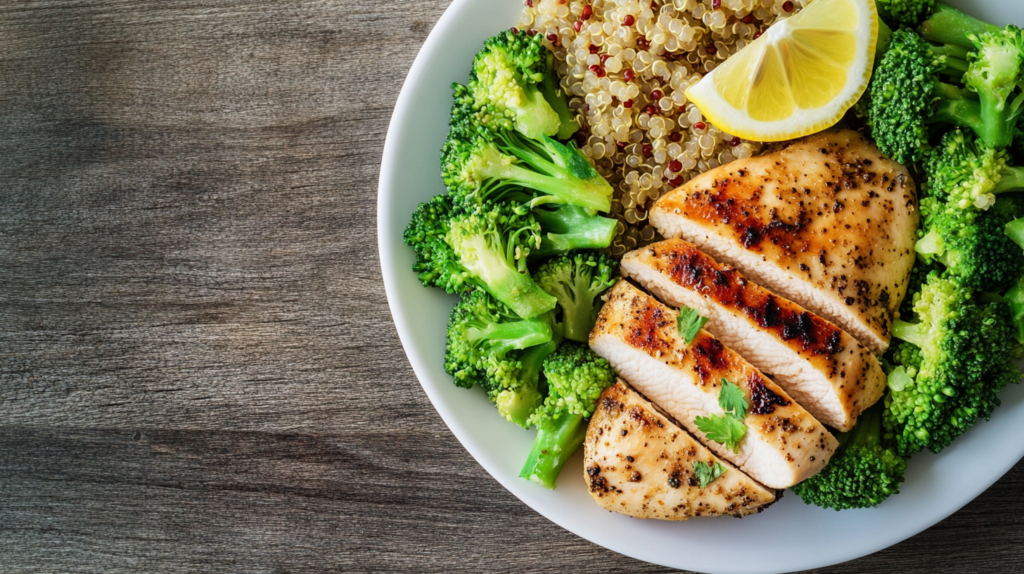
[(557, 439), (505, 337), (1015, 298), (882, 40), (556, 98), (951, 92), (947, 25), (1011, 179), (516, 405), (535, 116), (1015, 231), (570, 227), (492, 271), (996, 128), (913, 333), (959, 112), (956, 59), (550, 178), (930, 245)]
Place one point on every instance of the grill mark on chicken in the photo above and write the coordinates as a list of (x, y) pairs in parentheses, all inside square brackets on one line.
[(817, 209), (684, 378), (691, 268), (821, 367), (762, 399), (644, 334)]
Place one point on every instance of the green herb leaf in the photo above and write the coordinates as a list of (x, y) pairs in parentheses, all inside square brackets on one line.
[(723, 429), (689, 322), (732, 400), (707, 473)]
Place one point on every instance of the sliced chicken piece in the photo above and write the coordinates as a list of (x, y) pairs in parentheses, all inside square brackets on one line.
[(783, 443), (828, 222), (639, 463), (823, 368)]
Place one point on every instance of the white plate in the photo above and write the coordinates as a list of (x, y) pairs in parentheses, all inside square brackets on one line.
[(789, 536)]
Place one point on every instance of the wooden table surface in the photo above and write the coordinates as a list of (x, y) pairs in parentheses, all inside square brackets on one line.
[(198, 368)]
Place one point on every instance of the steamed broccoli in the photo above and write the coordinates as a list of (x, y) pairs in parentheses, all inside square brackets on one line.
[(577, 280), (947, 25), (481, 161), (505, 84), (904, 13), (955, 360), (973, 245), (482, 332), (1015, 299), (994, 73), (576, 378), (556, 96), (567, 227), (968, 174), (905, 86), (861, 474), (918, 277), (522, 395), (484, 246), (907, 95), (939, 22)]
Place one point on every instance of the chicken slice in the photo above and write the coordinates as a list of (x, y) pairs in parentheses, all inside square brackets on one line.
[(828, 222), (640, 464), (823, 368), (783, 443)]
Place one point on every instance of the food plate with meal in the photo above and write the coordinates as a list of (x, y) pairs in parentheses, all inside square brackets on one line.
[(670, 252)]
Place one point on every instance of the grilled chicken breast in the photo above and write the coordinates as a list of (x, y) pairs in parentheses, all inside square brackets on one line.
[(783, 443), (828, 222), (639, 463), (823, 368)]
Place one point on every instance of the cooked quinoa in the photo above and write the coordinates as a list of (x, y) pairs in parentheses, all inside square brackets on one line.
[(625, 65)]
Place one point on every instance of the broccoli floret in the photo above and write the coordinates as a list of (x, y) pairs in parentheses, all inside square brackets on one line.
[(484, 246), (576, 378), (964, 356), (973, 245), (568, 227), (968, 174), (522, 395), (994, 73), (556, 96), (505, 82), (947, 25), (905, 87), (861, 474), (577, 280), (904, 13), (482, 162), (1015, 299), (918, 277), (436, 263), (482, 332)]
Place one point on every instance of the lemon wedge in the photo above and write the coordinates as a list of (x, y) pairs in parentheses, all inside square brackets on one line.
[(798, 78)]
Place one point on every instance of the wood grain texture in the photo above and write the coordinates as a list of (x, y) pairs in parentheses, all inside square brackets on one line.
[(198, 369)]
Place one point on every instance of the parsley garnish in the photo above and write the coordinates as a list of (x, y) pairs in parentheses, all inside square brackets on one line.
[(689, 323), (727, 429), (707, 473), (724, 429), (731, 399)]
